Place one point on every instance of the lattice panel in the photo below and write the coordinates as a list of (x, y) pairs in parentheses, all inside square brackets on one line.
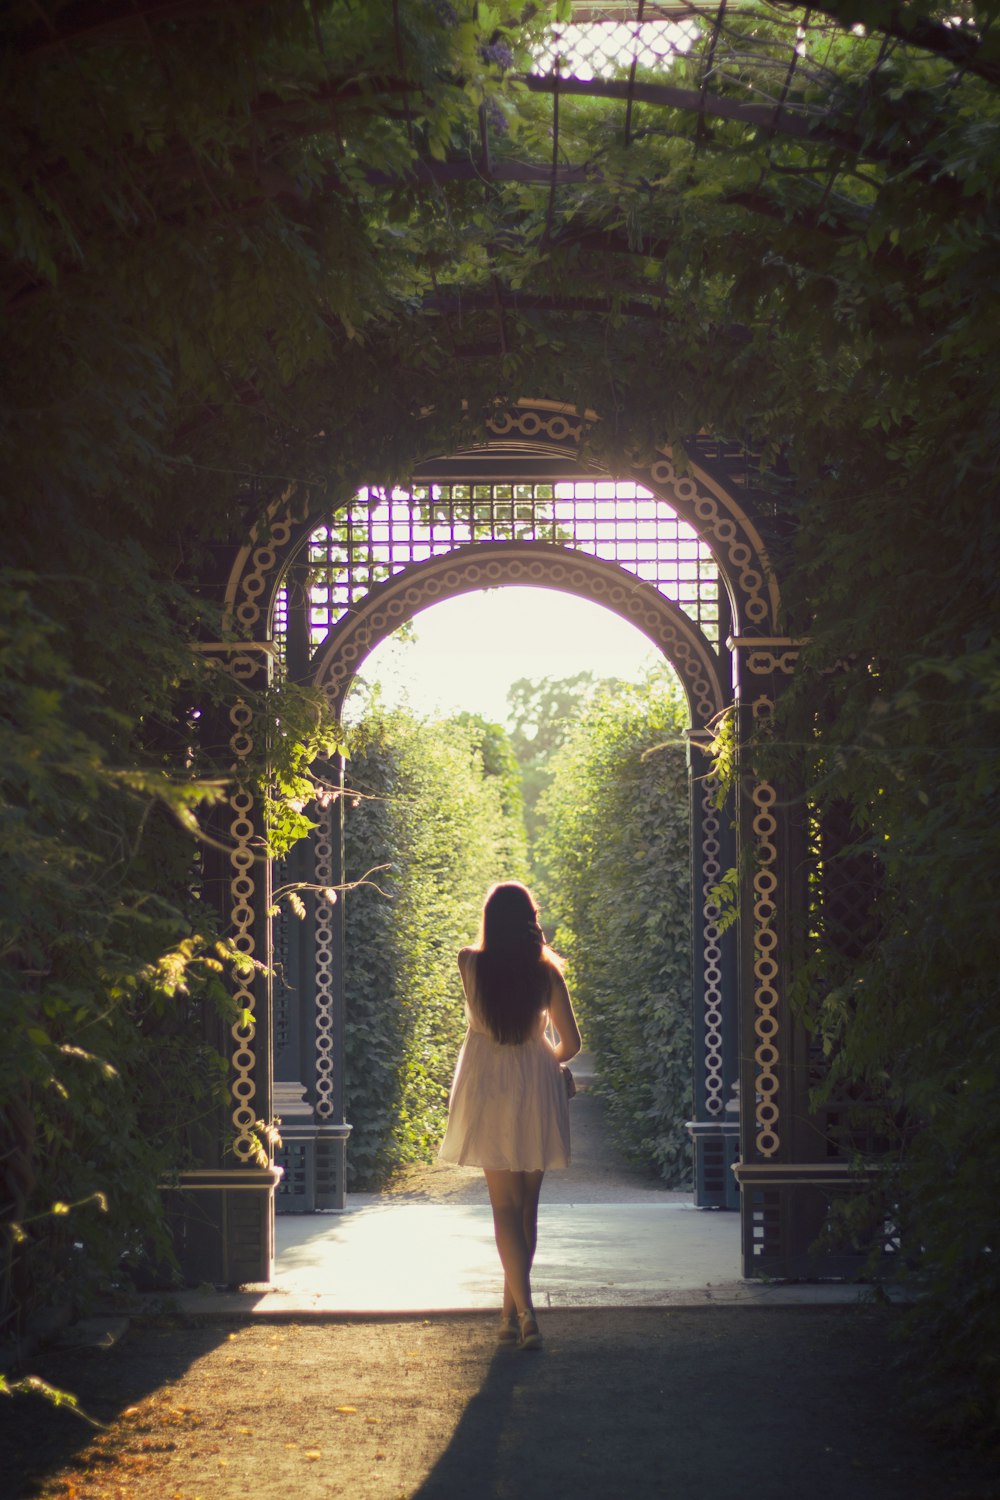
[(604, 41), (383, 532), (748, 50)]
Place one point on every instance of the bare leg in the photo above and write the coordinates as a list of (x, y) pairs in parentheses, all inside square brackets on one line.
[(514, 1200), (532, 1182), (532, 1190)]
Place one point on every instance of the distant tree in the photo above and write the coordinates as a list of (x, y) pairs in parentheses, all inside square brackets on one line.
[(496, 748), (542, 713)]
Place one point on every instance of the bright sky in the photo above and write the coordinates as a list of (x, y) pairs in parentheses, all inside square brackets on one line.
[(469, 650)]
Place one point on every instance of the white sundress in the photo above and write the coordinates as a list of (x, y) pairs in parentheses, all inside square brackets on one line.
[(508, 1108)]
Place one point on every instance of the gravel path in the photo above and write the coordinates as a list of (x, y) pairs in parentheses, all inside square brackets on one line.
[(636, 1404), (621, 1404)]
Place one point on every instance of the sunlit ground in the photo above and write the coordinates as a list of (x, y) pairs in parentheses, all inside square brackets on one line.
[(391, 1257)]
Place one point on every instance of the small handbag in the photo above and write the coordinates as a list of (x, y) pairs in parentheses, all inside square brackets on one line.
[(568, 1080)]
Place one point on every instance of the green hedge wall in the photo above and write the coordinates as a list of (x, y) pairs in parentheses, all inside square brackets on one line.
[(429, 810), (615, 839)]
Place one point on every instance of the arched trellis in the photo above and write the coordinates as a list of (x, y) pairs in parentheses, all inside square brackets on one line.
[(704, 678), (483, 565), (775, 1132)]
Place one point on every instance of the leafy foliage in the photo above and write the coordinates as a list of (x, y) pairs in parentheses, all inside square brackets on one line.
[(188, 275), (430, 810), (229, 267), (100, 940), (909, 1017), (616, 839), (109, 1081), (496, 751)]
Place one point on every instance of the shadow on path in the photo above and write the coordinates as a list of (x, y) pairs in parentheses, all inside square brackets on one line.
[(768, 1405), (38, 1439), (648, 1403)]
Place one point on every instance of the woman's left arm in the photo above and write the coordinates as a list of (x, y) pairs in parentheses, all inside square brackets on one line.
[(562, 1018)]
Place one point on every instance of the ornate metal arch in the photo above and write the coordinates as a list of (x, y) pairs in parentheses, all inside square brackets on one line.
[(709, 499), (698, 497), (481, 565), (718, 516)]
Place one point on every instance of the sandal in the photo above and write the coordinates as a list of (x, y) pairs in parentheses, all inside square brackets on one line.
[(507, 1333), (530, 1336)]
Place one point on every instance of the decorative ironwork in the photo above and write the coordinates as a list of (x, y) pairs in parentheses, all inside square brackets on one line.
[(711, 955), (252, 578), (242, 887), (384, 532), (766, 995), (769, 653), (558, 426), (324, 972), (676, 554), (483, 567), (243, 663), (729, 532)]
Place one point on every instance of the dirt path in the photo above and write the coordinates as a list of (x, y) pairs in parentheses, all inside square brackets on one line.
[(642, 1404), (633, 1404)]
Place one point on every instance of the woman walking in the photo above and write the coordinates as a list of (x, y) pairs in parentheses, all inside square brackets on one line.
[(508, 1109)]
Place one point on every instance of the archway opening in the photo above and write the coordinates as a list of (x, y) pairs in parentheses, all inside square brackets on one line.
[(393, 555), (572, 778)]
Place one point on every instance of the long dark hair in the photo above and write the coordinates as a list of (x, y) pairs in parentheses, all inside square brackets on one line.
[(513, 965)]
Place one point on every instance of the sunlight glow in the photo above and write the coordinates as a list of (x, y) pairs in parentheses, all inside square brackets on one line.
[(466, 652), (386, 531), (606, 46)]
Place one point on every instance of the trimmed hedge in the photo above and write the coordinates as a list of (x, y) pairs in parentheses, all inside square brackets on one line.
[(615, 839), (429, 810)]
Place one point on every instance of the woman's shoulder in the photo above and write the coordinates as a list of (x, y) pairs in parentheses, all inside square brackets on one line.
[(466, 956)]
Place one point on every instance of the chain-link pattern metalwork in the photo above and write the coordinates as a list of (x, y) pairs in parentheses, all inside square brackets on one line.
[(253, 575), (242, 888), (323, 971), (606, 41), (711, 954), (766, 995)]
